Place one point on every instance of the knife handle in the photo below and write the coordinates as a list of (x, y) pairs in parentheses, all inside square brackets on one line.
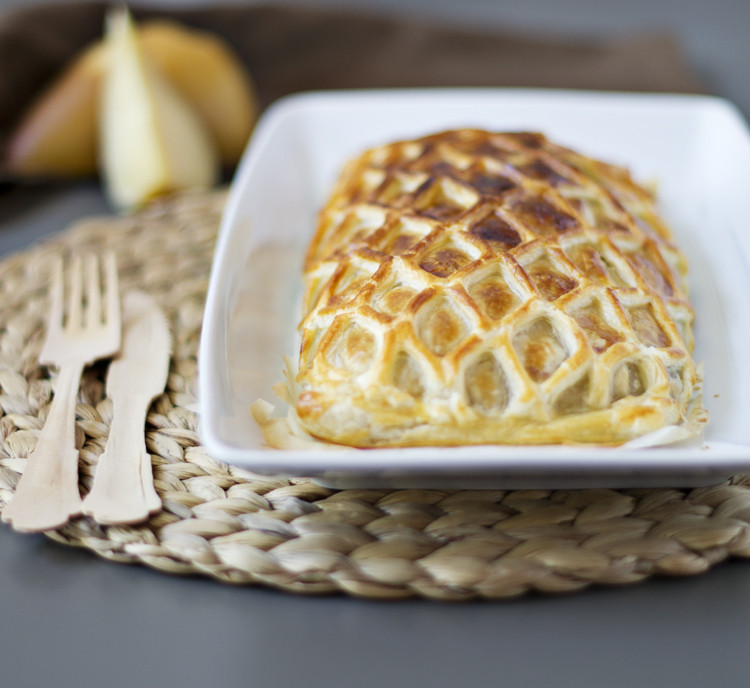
[(153, 501), (118, 496)]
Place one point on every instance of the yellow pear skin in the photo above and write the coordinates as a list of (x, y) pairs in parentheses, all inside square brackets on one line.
[(203, 68), (57, 137)]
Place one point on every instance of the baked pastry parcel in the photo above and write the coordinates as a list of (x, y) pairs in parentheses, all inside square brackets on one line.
[(492, 288)]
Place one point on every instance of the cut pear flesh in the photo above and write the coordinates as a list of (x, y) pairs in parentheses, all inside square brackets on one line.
[(151, 141)]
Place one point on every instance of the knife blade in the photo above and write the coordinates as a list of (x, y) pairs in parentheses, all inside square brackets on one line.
[(123, 491)]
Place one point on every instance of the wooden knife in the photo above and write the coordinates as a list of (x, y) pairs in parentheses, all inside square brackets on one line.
[(123, 490)]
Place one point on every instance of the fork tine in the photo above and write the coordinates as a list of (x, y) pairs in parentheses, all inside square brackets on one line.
[(76, 291), (93, 291), (55, 317), (112, 290)]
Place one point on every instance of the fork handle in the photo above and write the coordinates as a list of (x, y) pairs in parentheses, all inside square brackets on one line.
[(118, 495), (47, 493)]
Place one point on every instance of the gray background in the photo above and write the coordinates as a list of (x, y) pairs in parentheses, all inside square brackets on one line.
[(68, 618)]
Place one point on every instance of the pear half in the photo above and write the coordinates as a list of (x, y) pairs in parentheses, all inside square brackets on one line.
[(152, 142), (207, 73), (57, 135)]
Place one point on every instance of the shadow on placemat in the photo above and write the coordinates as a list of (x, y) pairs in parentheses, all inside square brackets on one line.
[(294, 49)]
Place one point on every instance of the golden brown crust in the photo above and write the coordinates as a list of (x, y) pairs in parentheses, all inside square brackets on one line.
[(478, 288)]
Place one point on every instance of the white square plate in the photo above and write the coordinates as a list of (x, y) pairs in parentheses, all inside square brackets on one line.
[(696, 147)]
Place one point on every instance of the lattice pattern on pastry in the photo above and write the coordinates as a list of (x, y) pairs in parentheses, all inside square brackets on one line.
[(472, 287)]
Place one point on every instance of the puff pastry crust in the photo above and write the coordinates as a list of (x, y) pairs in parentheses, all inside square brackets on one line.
[(492, 288)]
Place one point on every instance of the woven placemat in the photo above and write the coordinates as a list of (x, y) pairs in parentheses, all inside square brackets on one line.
[(238, 527)]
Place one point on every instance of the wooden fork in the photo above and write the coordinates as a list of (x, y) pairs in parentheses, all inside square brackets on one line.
[(47, 493)]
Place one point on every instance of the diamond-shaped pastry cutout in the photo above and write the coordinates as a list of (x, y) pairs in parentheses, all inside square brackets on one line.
[(404, 236), (356, 228), (454, 157), (652, 270), (493, 295), (596, 209), (350, 283), (486, 385), (441, 324), (548, 280), (539, 169), (489, 182), (316, 282), (542, 216), (492, 185), (496, 231), (383, 156), (371, 180), (600, 334), (395, 189), (628, 380), (447, 257), (595, 264), (540, 348), (574, 398), (647, 326), (406, 374), (411, 150), (393, 301), (445, 261), (354, 348), (397, 155), (444, 199)]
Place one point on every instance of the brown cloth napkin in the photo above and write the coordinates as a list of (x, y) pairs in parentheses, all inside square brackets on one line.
[(293, 49)]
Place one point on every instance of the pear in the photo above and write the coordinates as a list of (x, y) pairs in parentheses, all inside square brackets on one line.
[(58, 135), (203, 68), (151, 141)]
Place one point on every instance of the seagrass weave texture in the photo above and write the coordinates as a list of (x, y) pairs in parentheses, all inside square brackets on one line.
[(237, 527)]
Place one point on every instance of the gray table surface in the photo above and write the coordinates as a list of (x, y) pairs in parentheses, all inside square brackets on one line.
[(69, 619)]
